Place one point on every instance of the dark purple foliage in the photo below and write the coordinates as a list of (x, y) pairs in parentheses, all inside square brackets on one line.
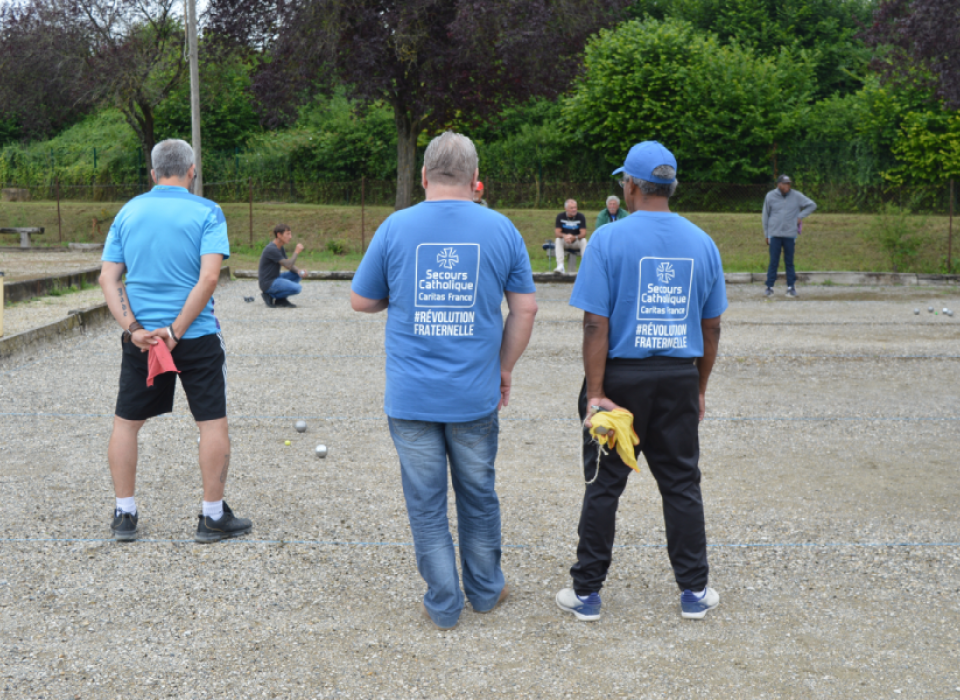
[(434, 61), (924, 40)]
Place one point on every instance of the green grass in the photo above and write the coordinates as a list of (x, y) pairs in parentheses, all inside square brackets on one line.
[(829, 241)]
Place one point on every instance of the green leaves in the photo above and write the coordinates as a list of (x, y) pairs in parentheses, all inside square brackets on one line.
[(718, 107)]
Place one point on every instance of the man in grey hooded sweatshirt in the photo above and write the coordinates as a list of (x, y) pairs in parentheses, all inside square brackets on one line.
[(783, 211)]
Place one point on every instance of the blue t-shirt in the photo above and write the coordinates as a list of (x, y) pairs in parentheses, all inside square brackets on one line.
[(160, 237), (444, 266), (655, 276)]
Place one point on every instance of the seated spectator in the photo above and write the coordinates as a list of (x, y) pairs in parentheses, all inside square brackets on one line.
[(571, 232), (274, 286), (613, 212)]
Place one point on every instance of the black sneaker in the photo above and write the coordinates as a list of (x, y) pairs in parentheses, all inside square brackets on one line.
[(791, 291), (124, 526), (768, 292), (285, 304), (209, 530), (268, 300)]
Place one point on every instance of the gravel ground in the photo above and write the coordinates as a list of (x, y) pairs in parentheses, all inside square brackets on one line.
[(829, 461), (24, 266)]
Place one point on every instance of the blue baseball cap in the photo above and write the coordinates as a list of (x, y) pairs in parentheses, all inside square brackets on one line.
[(644, 158)]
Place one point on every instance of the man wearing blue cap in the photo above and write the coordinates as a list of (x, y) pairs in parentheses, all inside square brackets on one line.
[(652, 292)]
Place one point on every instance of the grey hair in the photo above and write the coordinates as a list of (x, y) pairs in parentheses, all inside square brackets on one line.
[(450, 159), (656, 189), (171, 158), (614, 197), (569, 201)]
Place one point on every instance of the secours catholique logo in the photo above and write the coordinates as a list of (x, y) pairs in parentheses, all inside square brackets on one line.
[(448, 258), (665, 272), (446, 275)]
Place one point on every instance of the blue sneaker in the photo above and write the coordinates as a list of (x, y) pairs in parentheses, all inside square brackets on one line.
[(695, 607), (584, 607)]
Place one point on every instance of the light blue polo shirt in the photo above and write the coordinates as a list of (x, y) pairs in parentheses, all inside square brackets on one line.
[(655, 276), (160, 237), (444, 266)]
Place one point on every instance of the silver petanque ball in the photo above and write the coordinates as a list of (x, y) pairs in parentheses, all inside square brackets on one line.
[(916, 312), (321, 451), (301, 426), (930, 309)]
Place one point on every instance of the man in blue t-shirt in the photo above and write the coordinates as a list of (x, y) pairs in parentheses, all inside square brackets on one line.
[(652, 291), (170, 244), (442, 268)]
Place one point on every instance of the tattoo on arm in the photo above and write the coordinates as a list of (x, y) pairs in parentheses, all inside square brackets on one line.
[(226, 467), (123, 301)]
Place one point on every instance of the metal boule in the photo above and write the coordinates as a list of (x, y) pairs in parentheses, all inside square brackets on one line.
[(930, 309), (321, 451), (301, 426), (916, 312)]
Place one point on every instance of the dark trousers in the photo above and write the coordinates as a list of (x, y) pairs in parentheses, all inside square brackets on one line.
[(663, 395), (776, 244)]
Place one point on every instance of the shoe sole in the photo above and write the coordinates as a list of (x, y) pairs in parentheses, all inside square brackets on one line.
[(579, 615), (697, 615), (218, 536), (125, 537)]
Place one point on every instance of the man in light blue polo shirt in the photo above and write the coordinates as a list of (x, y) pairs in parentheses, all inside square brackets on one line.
[(652, 291), (170, 245), (443, 268)]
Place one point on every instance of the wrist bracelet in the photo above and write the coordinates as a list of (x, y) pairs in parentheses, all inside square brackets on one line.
[(172, 334), (135, 326)]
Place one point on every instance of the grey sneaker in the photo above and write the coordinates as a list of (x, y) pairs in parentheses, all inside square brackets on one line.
[(284, 303), (268, 300), (768, 292), (694, 607), (210, 530), (124, 526), (791, 291)]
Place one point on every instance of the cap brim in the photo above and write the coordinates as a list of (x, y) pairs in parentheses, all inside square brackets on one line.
[(617, 171)]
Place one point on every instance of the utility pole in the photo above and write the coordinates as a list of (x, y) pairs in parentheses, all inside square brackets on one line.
[(194, 91)]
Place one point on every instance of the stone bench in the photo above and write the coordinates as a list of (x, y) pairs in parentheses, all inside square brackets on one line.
[(24, 233)]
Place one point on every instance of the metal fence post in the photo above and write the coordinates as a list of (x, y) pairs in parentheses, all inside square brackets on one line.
[(59, 228), (250, 183), (950, 233)]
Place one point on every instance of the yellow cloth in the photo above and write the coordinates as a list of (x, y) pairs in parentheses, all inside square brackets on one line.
[(619, 423)]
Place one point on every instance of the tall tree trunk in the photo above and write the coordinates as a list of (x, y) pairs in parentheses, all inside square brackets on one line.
[(408, 127), (140, 118)]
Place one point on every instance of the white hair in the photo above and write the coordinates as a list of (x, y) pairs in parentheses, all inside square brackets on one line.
[(613, 198), (657, 189), (171, 158), (450, 159)]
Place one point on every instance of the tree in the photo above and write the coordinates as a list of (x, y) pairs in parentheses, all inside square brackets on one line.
[(826, 29), (42, 68), (136, 57), (435, 62), (923, 42), (718, 107)]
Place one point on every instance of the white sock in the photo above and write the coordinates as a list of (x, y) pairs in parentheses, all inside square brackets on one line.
[(127, 505), (213, 509), (699, 594)]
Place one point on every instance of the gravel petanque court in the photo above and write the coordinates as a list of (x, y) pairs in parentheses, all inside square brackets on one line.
[(829, 460)]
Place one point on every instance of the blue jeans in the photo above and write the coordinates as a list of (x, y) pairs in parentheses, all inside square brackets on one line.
[(286, 285), (787, 244), (423, 448)]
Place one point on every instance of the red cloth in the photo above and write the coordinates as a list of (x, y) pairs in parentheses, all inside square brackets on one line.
[(159, 361)]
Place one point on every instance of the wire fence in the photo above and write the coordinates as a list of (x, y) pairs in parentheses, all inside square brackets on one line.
[(691, 197)]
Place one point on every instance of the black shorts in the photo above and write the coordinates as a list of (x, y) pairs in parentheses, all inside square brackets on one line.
[(203, 373)]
